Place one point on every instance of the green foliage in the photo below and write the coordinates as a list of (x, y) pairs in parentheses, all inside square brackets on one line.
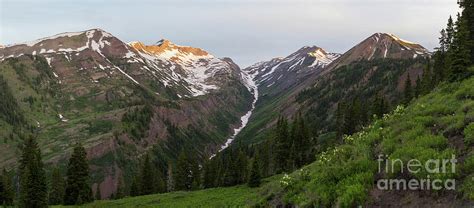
[(348, 83), (469, 134), (9, 108), (78, 190), (254, 177), (57, 184), (33, 186), (7, 192), (136, 122), (187, 174)]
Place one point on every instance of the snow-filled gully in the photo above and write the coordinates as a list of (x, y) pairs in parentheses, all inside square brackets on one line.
[(252, 87)]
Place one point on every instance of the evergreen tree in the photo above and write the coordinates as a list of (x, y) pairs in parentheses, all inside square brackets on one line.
[(427, 83), (135, 187), (468, 16), (33, 186), (352, 117), (340, 111), (418, 87), (159, 185), (170, 179), (195, 173), (380, 106), (254, 176), (1, 190), (210, 174), (408, 90), (460, 54), (147, 177), (57, 187), (183, 177), (78, 190), (8, 189), (98, 193), (120, 193), (282, 145), (449, 33), (241, 167)]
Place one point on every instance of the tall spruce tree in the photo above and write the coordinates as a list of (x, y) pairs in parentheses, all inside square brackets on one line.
[(98, 193), (210, 174), (169, 179), (8, 189), (460, 53), (135, 187), (468, 16), (1, 190), (78, 189), (408, 90), (147, 177), (282, 145), (254, 175), (183, 176), (120, 193), (33, 186), (57, 187)]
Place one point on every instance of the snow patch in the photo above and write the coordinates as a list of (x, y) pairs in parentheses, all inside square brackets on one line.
[(250, 84)]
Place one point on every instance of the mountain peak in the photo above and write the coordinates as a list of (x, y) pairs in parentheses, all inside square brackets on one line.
[(381, 46), (167, 49)]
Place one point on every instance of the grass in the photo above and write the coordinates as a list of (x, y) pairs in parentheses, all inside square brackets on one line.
[(238, 196)]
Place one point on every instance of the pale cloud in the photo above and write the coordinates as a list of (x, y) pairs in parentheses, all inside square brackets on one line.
[(246, 30)]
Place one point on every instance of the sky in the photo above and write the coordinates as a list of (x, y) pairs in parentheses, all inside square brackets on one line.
[(248, 31)]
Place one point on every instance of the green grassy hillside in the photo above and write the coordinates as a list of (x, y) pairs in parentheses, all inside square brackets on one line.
[(435, 126), (239, 196)]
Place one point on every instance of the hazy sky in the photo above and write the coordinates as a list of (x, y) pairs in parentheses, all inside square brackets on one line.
[(248, 31)]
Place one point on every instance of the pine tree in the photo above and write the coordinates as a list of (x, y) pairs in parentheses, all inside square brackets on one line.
[(210, 174), (147, 177), (135, 187), (195, 173), (282, 145), (120, 193), (340, 111), (408, 90), (427, 83), (449, 33), (98, 193), (8, 189), (33, 186), (183, 177), (380, 106), (254, 176), (460, 54), (418, 87), (1, 190), (468, 16), (170, 179), (57, 187), (78, 190), (160, 185), (241, 167)]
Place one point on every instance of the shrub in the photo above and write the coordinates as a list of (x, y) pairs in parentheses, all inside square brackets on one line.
[(469, 134)]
